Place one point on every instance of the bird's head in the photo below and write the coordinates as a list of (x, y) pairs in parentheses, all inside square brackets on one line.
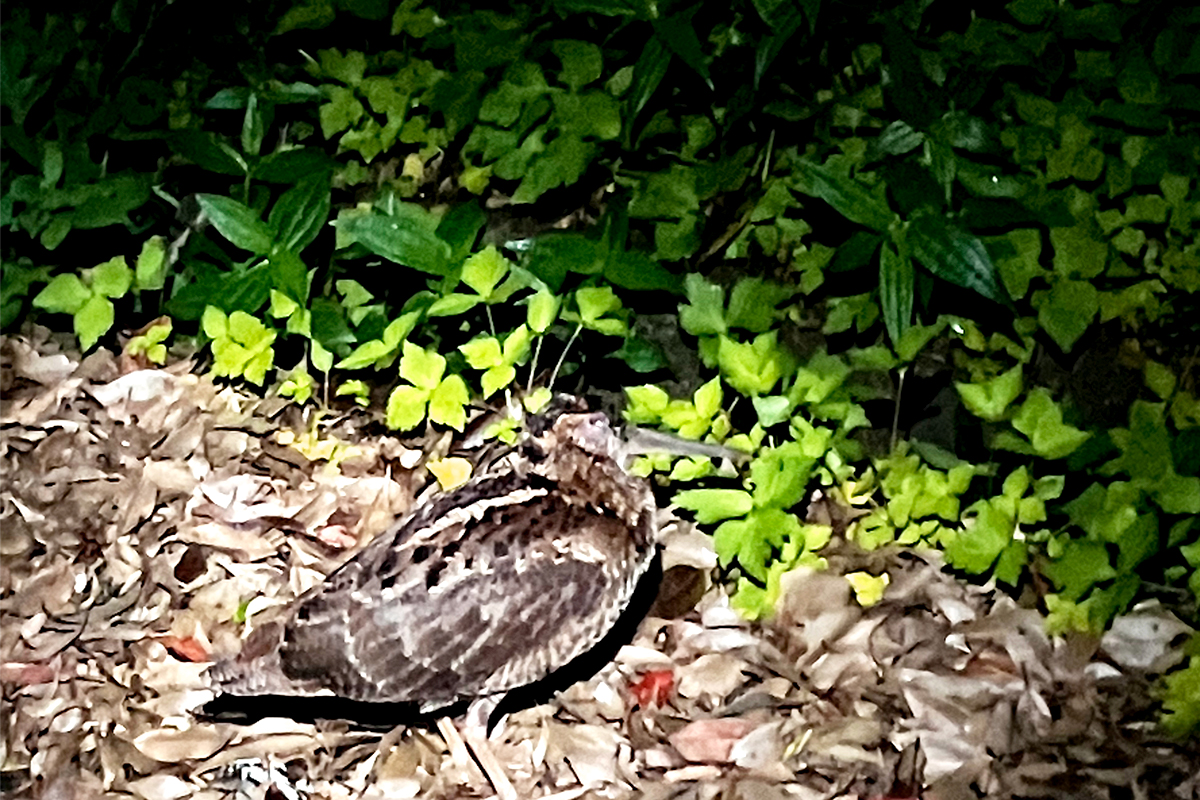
[(591, 433)]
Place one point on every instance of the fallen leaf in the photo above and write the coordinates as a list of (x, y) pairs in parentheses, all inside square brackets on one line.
[(654, 688), (710, 740)]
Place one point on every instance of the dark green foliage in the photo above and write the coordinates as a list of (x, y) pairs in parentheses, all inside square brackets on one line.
[(938, 264)]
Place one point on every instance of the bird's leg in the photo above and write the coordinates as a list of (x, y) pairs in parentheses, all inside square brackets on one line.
[(475, 734)]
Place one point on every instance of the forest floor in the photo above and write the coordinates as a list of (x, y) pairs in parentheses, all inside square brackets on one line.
[(149, 515)]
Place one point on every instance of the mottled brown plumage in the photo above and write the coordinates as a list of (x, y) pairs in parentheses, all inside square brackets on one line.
[(484, 589)]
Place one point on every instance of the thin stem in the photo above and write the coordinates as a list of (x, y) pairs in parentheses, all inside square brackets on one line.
[(491, 322), (537, 352), (561, 358), (896, 412)]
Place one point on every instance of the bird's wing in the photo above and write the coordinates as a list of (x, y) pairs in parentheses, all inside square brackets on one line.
[(476, 603)]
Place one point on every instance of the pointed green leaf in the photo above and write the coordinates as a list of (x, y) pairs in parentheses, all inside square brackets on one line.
[(954, 255), (301, 212), (897, 283), (497, 378), (65, 294), (409, 241), (236, 222), (849, 197)]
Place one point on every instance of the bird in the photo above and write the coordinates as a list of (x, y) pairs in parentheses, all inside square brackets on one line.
[(475, 592)]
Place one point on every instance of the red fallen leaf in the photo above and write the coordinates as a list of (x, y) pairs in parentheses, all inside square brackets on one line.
[(710, 741), (26, 674), (186, 648), (654, 687)]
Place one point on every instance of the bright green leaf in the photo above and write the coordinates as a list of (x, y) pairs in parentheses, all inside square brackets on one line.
[(711, 505), (65, 294), (93, 320)]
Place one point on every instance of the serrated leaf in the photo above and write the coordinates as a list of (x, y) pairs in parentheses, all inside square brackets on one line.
[(753, 304), (406, 407), (646, 404), (753, 368), (704, 313), (1067, 310), (448, 401), (780, 475), (421, 367), (977, 547), (582, 62), (1040, 419), (236, 222), (596, 301), (1081, 566)]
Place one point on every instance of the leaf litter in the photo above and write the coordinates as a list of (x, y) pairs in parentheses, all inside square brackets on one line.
[(151, 516)]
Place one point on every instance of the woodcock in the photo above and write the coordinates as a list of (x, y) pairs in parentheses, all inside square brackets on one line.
[(481, 590)]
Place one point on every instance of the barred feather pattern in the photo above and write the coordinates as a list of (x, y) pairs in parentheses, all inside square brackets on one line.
[(487, 588)]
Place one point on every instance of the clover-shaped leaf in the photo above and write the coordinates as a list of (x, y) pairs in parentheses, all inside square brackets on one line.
[(241, 345), (498, 361), (444, 398), (151, 341)]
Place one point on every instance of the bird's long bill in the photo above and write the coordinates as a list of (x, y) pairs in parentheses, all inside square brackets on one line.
[(641, 441)]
